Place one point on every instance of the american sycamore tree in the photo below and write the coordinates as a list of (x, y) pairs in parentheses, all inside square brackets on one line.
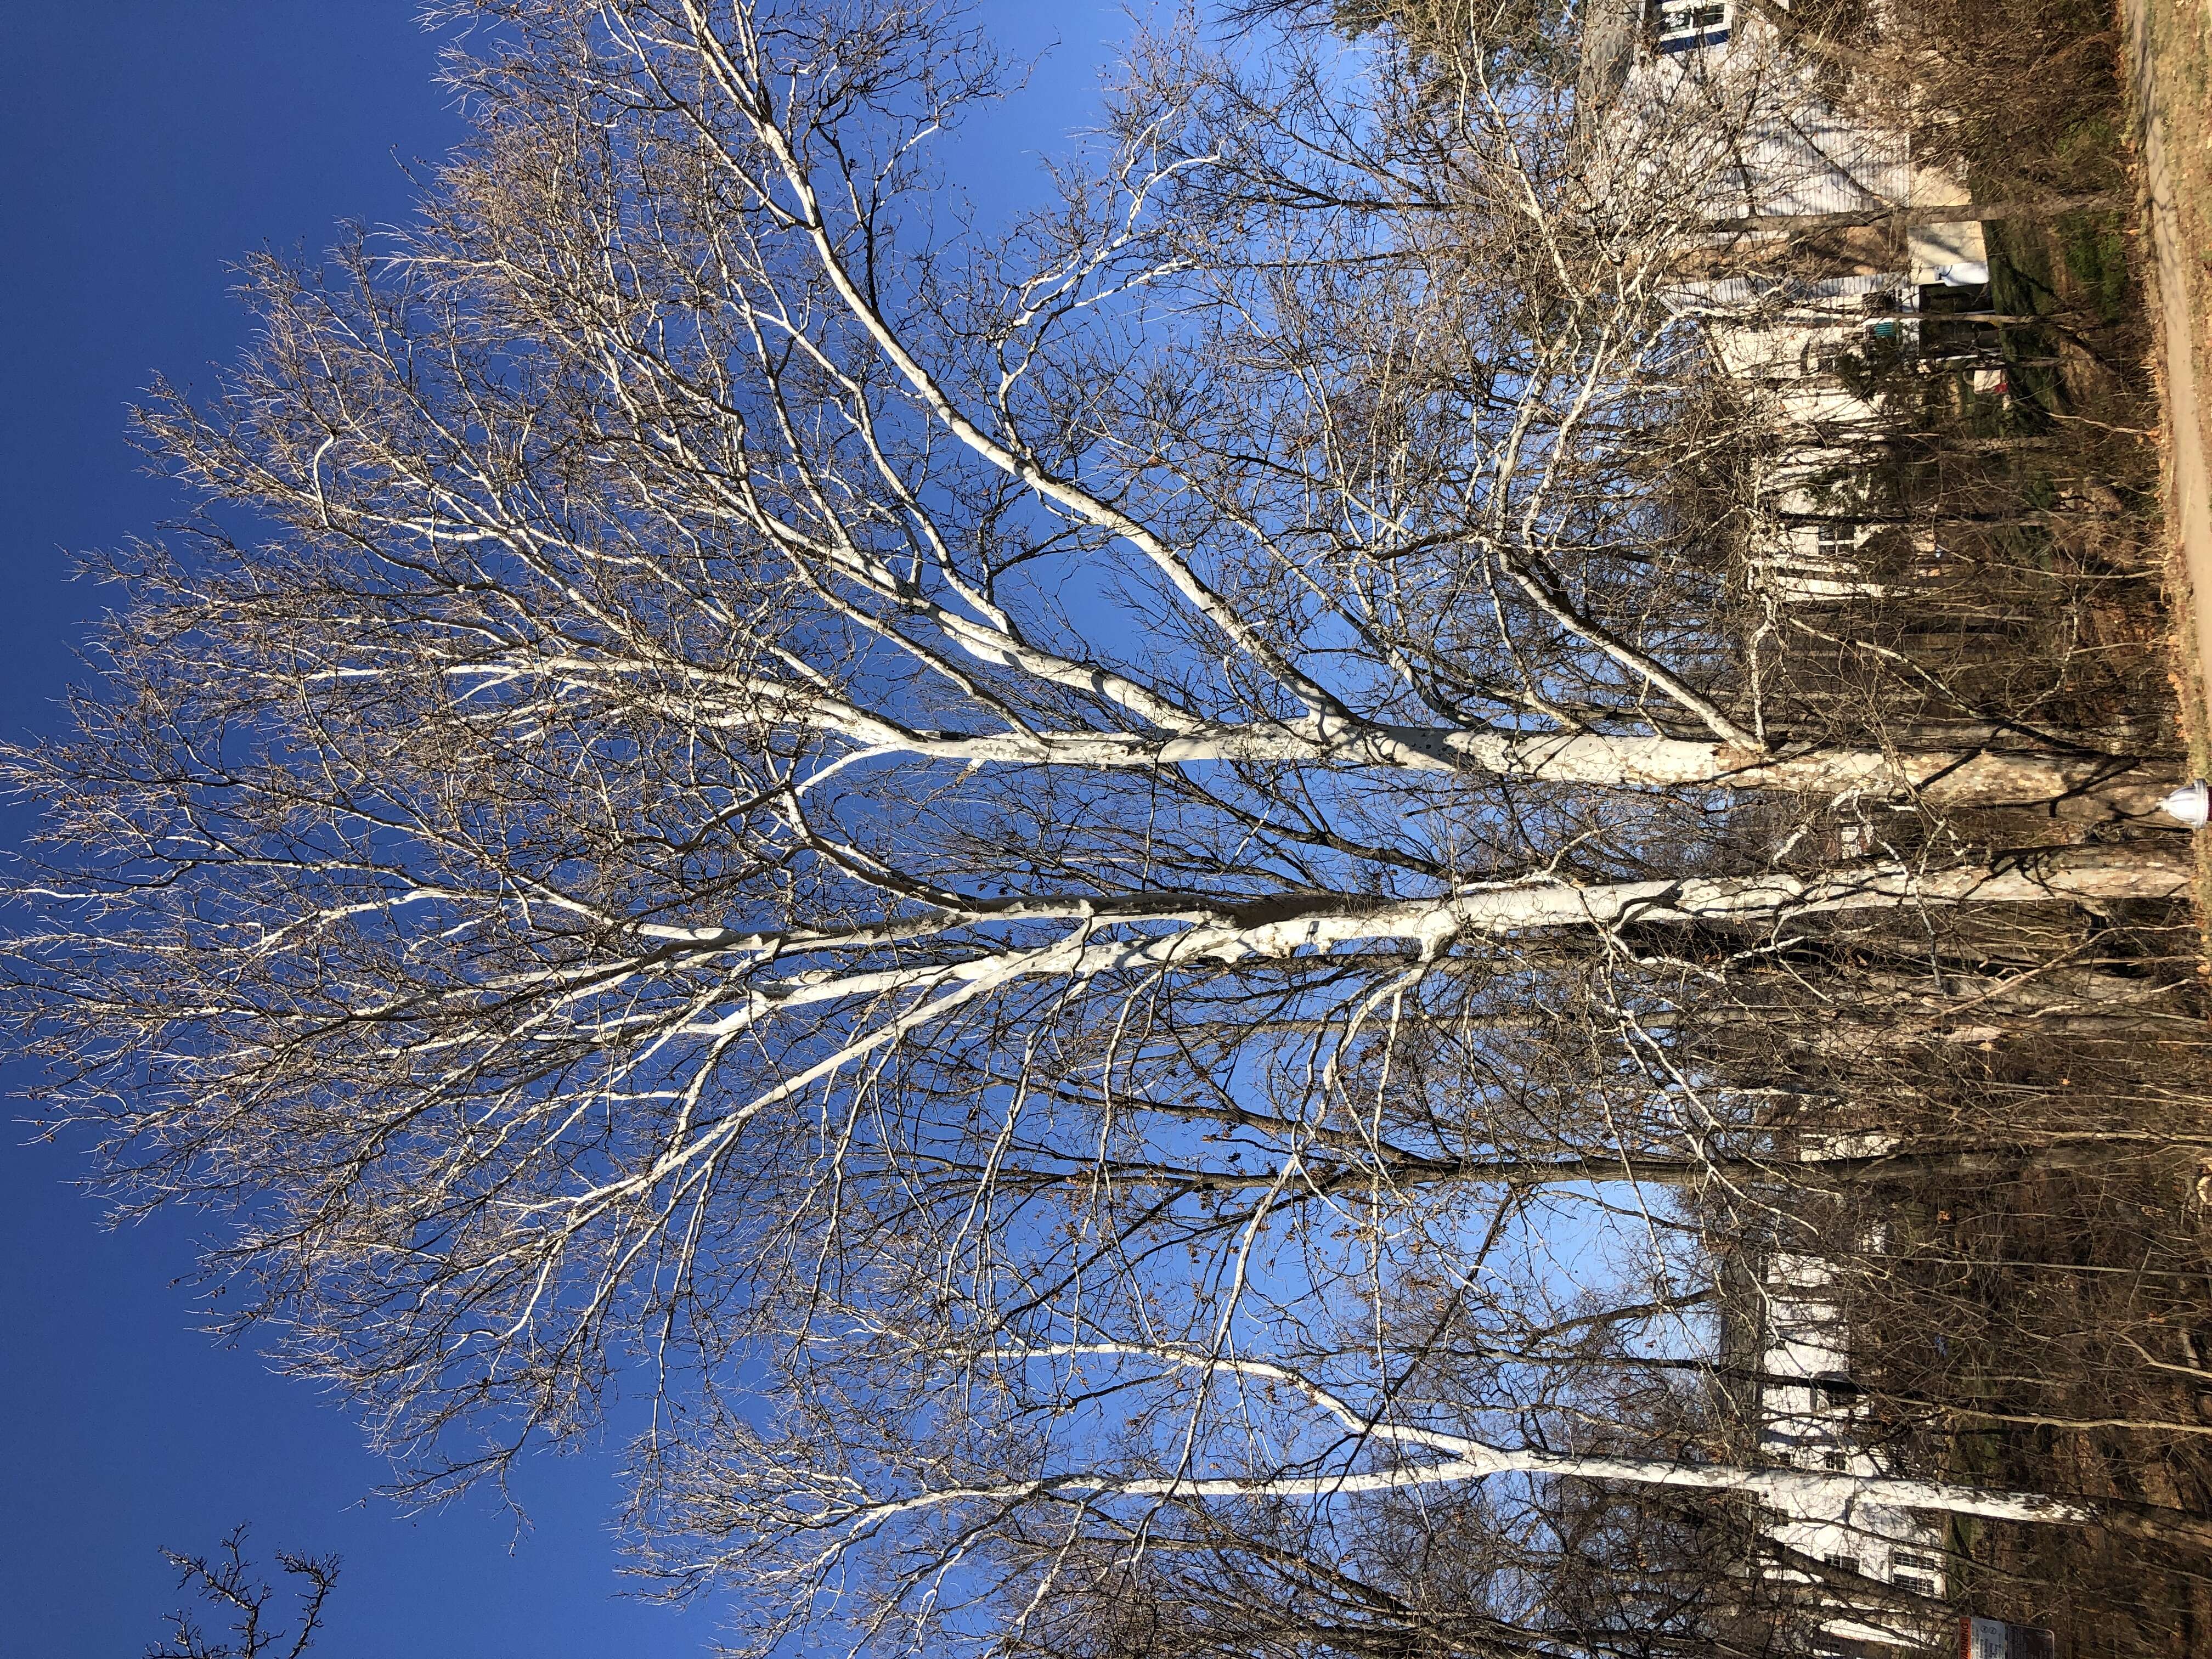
[(1052, 883)]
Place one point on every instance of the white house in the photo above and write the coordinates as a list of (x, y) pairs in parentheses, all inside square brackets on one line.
[(1810, 1412), (1706, 95)]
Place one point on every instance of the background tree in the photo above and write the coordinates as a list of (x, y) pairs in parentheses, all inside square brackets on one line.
[(227, 1584)]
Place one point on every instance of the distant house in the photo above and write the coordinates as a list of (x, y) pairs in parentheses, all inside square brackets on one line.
[(1807, 1410), (1710, 90)]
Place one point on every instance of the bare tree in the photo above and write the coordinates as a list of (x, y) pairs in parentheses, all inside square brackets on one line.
[(227, 1584), (733, 775)]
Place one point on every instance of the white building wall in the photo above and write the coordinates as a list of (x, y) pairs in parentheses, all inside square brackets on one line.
[(1816, 1424)]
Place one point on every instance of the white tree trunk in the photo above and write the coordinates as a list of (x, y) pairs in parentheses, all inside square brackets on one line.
[(1942, 777), (2094, 874)]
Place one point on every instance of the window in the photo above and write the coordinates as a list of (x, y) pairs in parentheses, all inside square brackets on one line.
[(1921, 1574), (1825, 357), (1835, 1462), (1838, 542), (1687, 25), (1844, 1563), (1834, 1390)]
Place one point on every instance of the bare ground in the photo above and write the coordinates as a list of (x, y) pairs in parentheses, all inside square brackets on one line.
[(2169, 63)]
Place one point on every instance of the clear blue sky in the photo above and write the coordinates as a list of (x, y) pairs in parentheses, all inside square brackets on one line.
[(143, 145)]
